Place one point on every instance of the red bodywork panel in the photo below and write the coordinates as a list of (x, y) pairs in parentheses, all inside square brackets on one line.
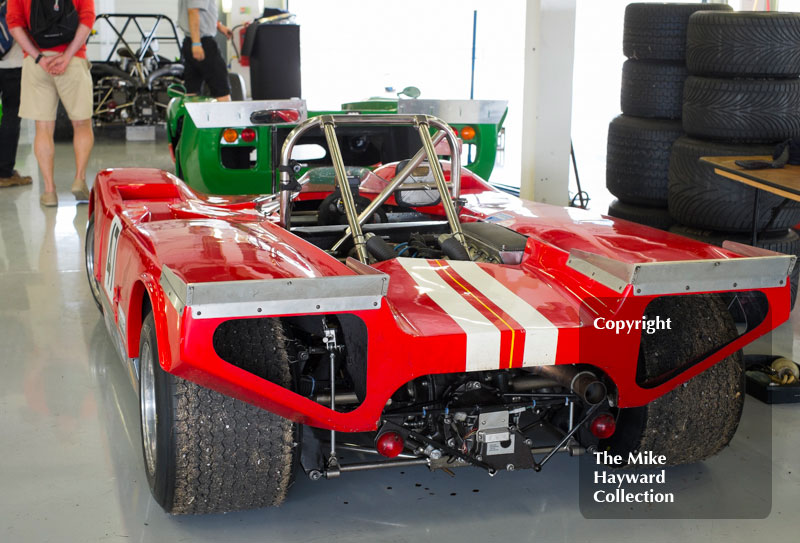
[(437, 316)]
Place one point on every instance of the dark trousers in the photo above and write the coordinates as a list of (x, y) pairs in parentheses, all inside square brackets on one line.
[(9, 125)]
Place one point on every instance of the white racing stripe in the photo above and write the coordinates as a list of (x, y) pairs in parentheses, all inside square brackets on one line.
[(541, 335), (483, 337)]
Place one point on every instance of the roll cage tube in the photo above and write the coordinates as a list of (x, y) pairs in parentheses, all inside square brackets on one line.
[(423, 123)]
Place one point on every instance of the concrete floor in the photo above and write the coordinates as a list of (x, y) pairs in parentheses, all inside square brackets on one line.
[(71, 458)]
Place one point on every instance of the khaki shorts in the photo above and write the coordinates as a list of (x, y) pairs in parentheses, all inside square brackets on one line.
[(41, 91)]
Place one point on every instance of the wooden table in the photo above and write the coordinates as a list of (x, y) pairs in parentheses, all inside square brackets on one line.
[(781, 181)]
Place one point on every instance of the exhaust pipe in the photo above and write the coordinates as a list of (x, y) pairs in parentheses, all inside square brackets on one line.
[(584, 383)]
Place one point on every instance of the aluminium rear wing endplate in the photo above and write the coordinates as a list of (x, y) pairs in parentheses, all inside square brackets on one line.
[(457, 111), (284, 296), (759, 268)]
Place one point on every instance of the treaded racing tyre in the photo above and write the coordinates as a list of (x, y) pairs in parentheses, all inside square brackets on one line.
[(744, 44), (637, 159), (746, 110), (88, 251), (658, 31), (649, 216), (786, 242), (700, 198), (695, 420), (653, 89), (208, 453), (236, 82)]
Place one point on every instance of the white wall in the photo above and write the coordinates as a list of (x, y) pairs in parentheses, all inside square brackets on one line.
[(353, 49)]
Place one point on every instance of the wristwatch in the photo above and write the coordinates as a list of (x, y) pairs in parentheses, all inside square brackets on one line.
[(39, 58)]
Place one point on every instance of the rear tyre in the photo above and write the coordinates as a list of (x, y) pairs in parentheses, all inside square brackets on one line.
[(653, 89), (695, 420), (208, 453), (700, 198), (744, 44), (236, 81), (747, 110), (658, 31), (637, 162), (88, 251), (649, 216)]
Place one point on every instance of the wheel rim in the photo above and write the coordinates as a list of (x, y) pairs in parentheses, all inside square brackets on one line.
[(90, 262), (147, 405)]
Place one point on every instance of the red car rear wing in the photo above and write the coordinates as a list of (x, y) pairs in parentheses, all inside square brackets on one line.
[(758, 268), (269, 297)]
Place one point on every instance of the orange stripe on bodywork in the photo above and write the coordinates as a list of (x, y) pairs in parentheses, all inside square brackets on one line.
[(514, 349)]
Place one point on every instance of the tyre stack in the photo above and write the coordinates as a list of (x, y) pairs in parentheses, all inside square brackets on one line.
[(639, 140), (742, 97)]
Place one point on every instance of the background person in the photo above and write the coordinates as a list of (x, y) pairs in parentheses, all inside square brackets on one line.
[(10, 75), (51, 73), (202, 58)]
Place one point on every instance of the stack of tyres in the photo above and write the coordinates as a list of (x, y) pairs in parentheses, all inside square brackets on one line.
[(639, 140), (741, 98)]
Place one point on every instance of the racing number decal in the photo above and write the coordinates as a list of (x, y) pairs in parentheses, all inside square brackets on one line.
[(111, 258)]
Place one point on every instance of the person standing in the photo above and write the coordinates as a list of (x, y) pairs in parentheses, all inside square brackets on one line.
[(202, 58), (56, 68), (10, 74)]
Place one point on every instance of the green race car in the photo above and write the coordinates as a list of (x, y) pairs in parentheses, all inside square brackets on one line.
[(231, 148)]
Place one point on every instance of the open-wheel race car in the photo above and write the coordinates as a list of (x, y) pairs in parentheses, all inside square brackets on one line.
[(410, 312)]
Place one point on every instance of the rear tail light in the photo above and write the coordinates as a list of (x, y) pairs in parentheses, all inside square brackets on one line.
[(467, 133), (248, 135), (603, 426), (230, 135), (389, 444), (274, 116), (288, 115)]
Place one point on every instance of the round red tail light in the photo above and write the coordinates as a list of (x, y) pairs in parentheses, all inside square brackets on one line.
[(467, 133), (603, 426), (248, 135), (389, 444)]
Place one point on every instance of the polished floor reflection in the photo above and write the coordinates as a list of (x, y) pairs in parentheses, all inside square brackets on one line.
[(71, 458)]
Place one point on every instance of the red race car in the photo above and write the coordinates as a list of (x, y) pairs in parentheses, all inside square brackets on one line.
[(429, 317)]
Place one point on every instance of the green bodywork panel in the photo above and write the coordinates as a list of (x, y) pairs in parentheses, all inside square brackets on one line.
[(211, 166)]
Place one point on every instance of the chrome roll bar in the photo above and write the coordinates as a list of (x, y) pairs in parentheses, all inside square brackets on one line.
[(423, 123)]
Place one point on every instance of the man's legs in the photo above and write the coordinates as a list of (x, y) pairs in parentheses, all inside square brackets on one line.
[(82, 141), (75, 90), (44, 148)]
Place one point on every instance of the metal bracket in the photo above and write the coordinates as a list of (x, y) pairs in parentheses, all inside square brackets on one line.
[(537, 466)]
